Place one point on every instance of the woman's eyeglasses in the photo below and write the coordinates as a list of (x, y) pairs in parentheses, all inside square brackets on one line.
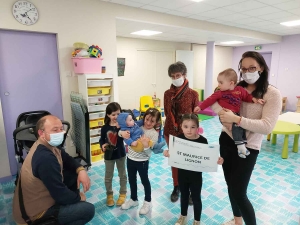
[(251, 69)]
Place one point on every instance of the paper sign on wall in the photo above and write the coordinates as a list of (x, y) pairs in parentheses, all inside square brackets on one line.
[(193, 156)]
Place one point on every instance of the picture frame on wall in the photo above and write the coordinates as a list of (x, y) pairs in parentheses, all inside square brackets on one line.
[(121, 66)]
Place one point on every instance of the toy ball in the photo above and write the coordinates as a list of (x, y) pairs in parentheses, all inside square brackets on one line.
[(95, 51)]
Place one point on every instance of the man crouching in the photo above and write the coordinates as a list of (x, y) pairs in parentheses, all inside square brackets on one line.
[(50, 180)]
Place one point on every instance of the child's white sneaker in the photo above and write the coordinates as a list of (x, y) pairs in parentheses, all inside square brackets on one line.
[(145, 208), (181, 221), (130, 203)]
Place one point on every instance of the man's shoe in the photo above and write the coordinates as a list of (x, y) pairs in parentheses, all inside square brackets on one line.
[(145, 208), (121, 199), (130, 203), (175, 194), (181, 221), (110, 200)]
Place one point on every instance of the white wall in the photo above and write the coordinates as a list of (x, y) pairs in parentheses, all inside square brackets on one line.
[(93, 22), (134, 83), (89, 21), (222, 61)]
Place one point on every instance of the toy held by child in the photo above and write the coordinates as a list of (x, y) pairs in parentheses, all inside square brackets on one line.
[(190, 181), (230, 96), (127, 123)]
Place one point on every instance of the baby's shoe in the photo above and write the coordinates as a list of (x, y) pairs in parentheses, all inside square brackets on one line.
[(145, 208), (196, 222), (130, 203), (242, 151), (110, 200), (182, 220), (121, 199)]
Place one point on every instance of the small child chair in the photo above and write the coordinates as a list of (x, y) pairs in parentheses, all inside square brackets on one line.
[(145, 103)]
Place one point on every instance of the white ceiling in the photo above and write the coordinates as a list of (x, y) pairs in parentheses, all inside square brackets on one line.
[(258, 15)]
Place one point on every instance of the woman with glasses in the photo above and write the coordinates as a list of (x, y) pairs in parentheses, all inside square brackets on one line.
[(258, 120)]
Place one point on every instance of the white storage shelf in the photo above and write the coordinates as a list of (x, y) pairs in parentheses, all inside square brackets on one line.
[(99, 83), (94, 132), (99, 99), (96, 103), (97, 115)]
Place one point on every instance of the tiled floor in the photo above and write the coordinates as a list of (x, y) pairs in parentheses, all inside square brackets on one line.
[(274, 190)]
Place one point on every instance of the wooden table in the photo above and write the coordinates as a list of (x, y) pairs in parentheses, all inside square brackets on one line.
[(286, 128)]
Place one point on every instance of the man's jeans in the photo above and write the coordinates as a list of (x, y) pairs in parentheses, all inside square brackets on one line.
[(79, 213)]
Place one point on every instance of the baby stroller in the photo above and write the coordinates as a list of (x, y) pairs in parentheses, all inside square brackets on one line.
[(25, 133)]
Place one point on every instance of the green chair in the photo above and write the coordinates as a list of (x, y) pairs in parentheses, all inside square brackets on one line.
[(286, 129)]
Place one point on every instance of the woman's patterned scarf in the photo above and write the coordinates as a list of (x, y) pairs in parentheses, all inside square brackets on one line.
[(177, 93)]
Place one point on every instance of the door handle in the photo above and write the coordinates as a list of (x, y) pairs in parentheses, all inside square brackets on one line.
[(6, 93)]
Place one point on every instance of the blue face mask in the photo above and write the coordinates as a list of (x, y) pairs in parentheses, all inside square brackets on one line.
[(56, 139)]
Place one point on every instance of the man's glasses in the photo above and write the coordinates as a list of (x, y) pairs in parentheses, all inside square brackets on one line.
[(251, 69)]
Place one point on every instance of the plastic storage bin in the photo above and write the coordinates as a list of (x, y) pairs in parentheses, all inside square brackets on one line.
[(97, 158), (96, 123), (94, 132), (99, 83), (99, 99), (98, 90), (87, 65), (97, 115), (95, 147), (95, 139), (95, 108)]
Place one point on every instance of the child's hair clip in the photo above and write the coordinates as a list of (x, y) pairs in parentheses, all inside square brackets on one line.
[(200, 130)]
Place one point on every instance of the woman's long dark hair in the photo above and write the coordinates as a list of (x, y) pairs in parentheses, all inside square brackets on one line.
[(110, 108), (262, 83)]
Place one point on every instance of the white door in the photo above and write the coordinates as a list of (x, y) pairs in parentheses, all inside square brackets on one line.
[(163, 81), (187, 57), (146, 62)]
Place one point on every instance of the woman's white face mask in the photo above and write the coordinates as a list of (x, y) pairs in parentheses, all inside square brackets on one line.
[(251, 78), (178, 82)]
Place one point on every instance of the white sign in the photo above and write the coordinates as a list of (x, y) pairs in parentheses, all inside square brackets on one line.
[(193, 156)]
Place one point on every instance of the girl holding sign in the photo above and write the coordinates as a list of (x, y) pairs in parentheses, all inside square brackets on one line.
[(190, 180)]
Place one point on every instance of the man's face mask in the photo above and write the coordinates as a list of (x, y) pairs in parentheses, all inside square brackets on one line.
[(56, 139)]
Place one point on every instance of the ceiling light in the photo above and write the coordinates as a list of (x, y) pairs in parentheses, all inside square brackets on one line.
[(291, 23), (146, 32), (232, 42), (196, 0)]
